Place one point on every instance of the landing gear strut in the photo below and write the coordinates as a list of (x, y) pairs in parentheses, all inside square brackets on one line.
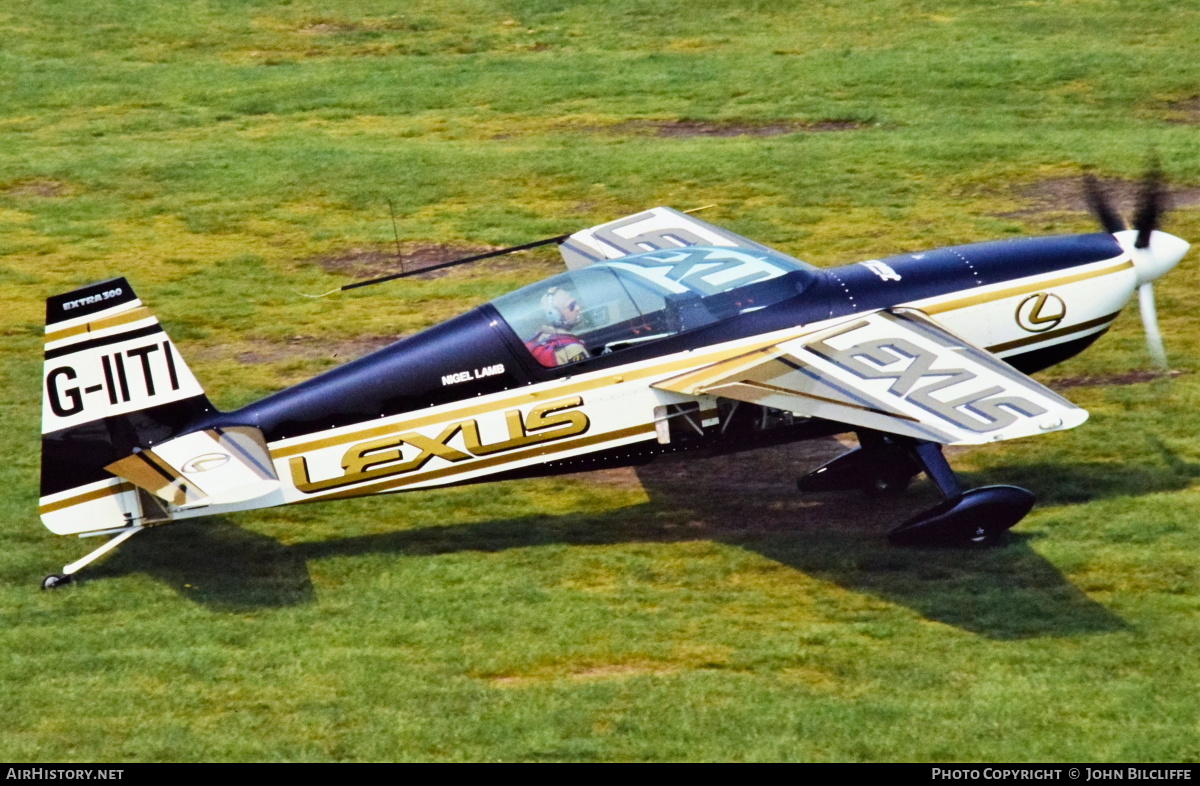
[(882, 466), (56, 580), (886, 464)]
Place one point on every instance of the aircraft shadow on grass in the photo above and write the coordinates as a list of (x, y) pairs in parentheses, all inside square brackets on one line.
[(215, 562), (748, 501), (1073, 483)]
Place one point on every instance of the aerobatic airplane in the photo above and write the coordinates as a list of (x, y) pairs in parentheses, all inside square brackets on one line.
[(667, 335)]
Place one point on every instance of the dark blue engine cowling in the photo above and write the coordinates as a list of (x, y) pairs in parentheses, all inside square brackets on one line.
[(955, 268)]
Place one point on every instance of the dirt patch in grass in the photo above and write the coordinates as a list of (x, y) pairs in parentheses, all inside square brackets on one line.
[(690, 129), (1185, 111), (729, 128), (39, 188), (1111, 380), (335, 27), (1067, 194), (330, 28), (301, 348), (593, 674), (365, 263)]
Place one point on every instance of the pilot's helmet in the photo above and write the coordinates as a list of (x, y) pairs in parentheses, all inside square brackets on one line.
[(562, 309)]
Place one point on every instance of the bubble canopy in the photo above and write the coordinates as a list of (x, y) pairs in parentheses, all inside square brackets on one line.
[(616, 304)]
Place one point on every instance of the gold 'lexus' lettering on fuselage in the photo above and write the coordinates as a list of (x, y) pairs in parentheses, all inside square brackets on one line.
[(382, 458)]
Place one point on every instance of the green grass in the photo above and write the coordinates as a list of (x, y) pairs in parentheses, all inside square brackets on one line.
[(214, 151)]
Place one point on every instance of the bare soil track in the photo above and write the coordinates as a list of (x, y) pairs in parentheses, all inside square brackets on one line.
[(38, 188), (1067, 194), (1185, 111), (730, 128), (368, 262), (1112, 380)]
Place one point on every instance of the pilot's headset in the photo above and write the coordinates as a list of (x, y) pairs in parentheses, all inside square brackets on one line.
[(556, 316)]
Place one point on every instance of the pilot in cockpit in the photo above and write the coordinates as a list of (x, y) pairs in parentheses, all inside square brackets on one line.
[(554, 344)]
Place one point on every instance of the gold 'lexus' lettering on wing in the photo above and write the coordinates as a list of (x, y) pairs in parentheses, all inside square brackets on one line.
[(384, 457), (981, 411)]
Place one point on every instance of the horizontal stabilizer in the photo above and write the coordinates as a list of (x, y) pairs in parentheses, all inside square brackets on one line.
[(893, 371), (214, 466)]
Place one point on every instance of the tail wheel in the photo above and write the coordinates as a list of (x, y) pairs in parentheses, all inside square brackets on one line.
[(55, 580)]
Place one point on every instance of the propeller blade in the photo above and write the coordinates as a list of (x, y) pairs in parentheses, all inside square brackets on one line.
[(1150, 206), (1149, 313), (1101, 208)]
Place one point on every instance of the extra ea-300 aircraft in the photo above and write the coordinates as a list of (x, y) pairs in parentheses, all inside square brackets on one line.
[(666, 335)]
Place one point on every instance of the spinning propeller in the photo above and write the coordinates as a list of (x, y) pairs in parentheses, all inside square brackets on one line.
[(1153, 252)]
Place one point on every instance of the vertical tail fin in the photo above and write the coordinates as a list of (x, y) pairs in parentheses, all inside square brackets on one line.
[(113, 384)]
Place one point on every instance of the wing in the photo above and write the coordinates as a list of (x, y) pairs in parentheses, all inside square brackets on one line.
[(895, 371), (657, 228)]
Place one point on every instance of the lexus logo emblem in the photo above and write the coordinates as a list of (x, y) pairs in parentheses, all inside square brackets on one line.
[(205, 463), (1041, 312)]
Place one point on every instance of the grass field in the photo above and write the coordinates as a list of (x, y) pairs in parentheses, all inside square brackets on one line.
[(227, 154)]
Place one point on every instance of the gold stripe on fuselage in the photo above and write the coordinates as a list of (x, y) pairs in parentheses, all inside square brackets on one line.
[(107, 491), (1039, 337), (1024, 289)]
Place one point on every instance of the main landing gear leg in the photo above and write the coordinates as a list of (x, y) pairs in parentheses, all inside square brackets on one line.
[(59, 579), (883, 465), (975, 517)]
